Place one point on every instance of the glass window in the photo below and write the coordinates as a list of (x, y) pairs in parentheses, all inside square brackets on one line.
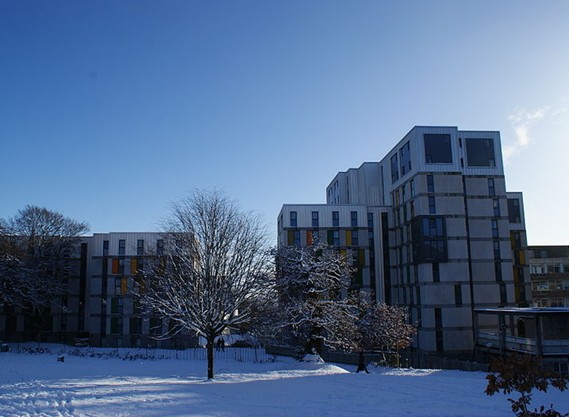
[(105, 248), (436, 272), (514, 212), (491, 188), (336, 237), (432, 207), (405, 159), (160, 247), (314, 219), (370, 220), (430, 183), (457, 295), (412, 188), (494, 228), (355, 238), (496, 249), (480, 152), (122, 245), (336, 219), (437, 148), (394, 169), (354, 218), (496, 204), (293, 219), (140, 247), (498, 271)]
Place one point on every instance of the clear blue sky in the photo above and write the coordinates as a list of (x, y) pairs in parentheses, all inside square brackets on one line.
[(109, 110)]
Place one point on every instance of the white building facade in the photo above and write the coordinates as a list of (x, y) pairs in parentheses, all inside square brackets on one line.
[(440, 240)]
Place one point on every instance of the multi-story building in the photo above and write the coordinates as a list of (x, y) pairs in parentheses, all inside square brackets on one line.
[(99, 307), (549, 272), (442, 240)]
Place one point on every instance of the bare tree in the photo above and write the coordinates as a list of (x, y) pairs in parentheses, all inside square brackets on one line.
[(35, 248), (312, 284), (378, 326), (215, 262)]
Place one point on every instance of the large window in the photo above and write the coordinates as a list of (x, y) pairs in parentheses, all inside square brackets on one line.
[(314, 219), (122, 246), (336, 219), (480, 152), (405, 159), (437, 148), (293, 219), (394, 169), (514, 212), (354, 218), (429, 239)]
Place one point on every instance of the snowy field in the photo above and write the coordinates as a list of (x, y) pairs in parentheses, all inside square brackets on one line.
[(39, 385)]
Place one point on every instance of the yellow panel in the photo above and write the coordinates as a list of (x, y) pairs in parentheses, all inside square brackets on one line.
[(348, 238), (124, 284), (133, 266)]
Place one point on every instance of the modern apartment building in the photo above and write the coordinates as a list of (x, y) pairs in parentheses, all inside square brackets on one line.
[(99, 307), (442, 235)]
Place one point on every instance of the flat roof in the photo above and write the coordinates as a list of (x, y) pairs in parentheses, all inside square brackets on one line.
[(525, 310)]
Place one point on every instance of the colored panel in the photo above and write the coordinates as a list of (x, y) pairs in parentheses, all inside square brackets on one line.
[(291, 237), (361, 257), (348, 238), (115, 269), (133, 266), (124, 285), (309, 238), (330, 237)]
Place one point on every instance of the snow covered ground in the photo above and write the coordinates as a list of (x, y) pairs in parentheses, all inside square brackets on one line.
[(39, 385)]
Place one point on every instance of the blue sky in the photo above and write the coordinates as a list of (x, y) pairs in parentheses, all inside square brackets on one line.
[(110, 110)]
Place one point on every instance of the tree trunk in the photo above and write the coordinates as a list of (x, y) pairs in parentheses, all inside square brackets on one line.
[(210, 353), (362, 363)]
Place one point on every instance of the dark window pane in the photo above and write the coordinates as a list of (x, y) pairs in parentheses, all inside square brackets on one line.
[(405, 159), (437, 148), (514, 212), (394, 169), (480, 152)]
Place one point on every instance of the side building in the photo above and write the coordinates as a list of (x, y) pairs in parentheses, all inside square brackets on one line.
[(444, 240), (549, 272)]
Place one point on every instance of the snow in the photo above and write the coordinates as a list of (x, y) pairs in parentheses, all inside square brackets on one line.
[(39, 385)]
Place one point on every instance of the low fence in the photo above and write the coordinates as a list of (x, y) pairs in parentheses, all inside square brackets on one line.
[(254, 355)]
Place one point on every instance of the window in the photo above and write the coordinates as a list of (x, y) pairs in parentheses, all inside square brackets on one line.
[(394, 169), (438, 329), (140, 247), (430, 183), (514, 212), (336, 238), (432, 208), (498, 271), (494, 228), (496, 204), (491, 188), (503, 294), (412, 188), (457, 295), (293, 219), (437, 148), (480, 152), (354, 218), (496, 249), (297, 238), (122, 245), (314, 219), (335, 219), (105, 248), (160, 247), (436, 272), (405, 159), (355, 238), (370, 220)]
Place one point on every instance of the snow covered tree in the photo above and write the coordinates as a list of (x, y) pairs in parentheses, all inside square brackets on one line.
[(215, 262), (378, 325), (312, 284), (35, 249)]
